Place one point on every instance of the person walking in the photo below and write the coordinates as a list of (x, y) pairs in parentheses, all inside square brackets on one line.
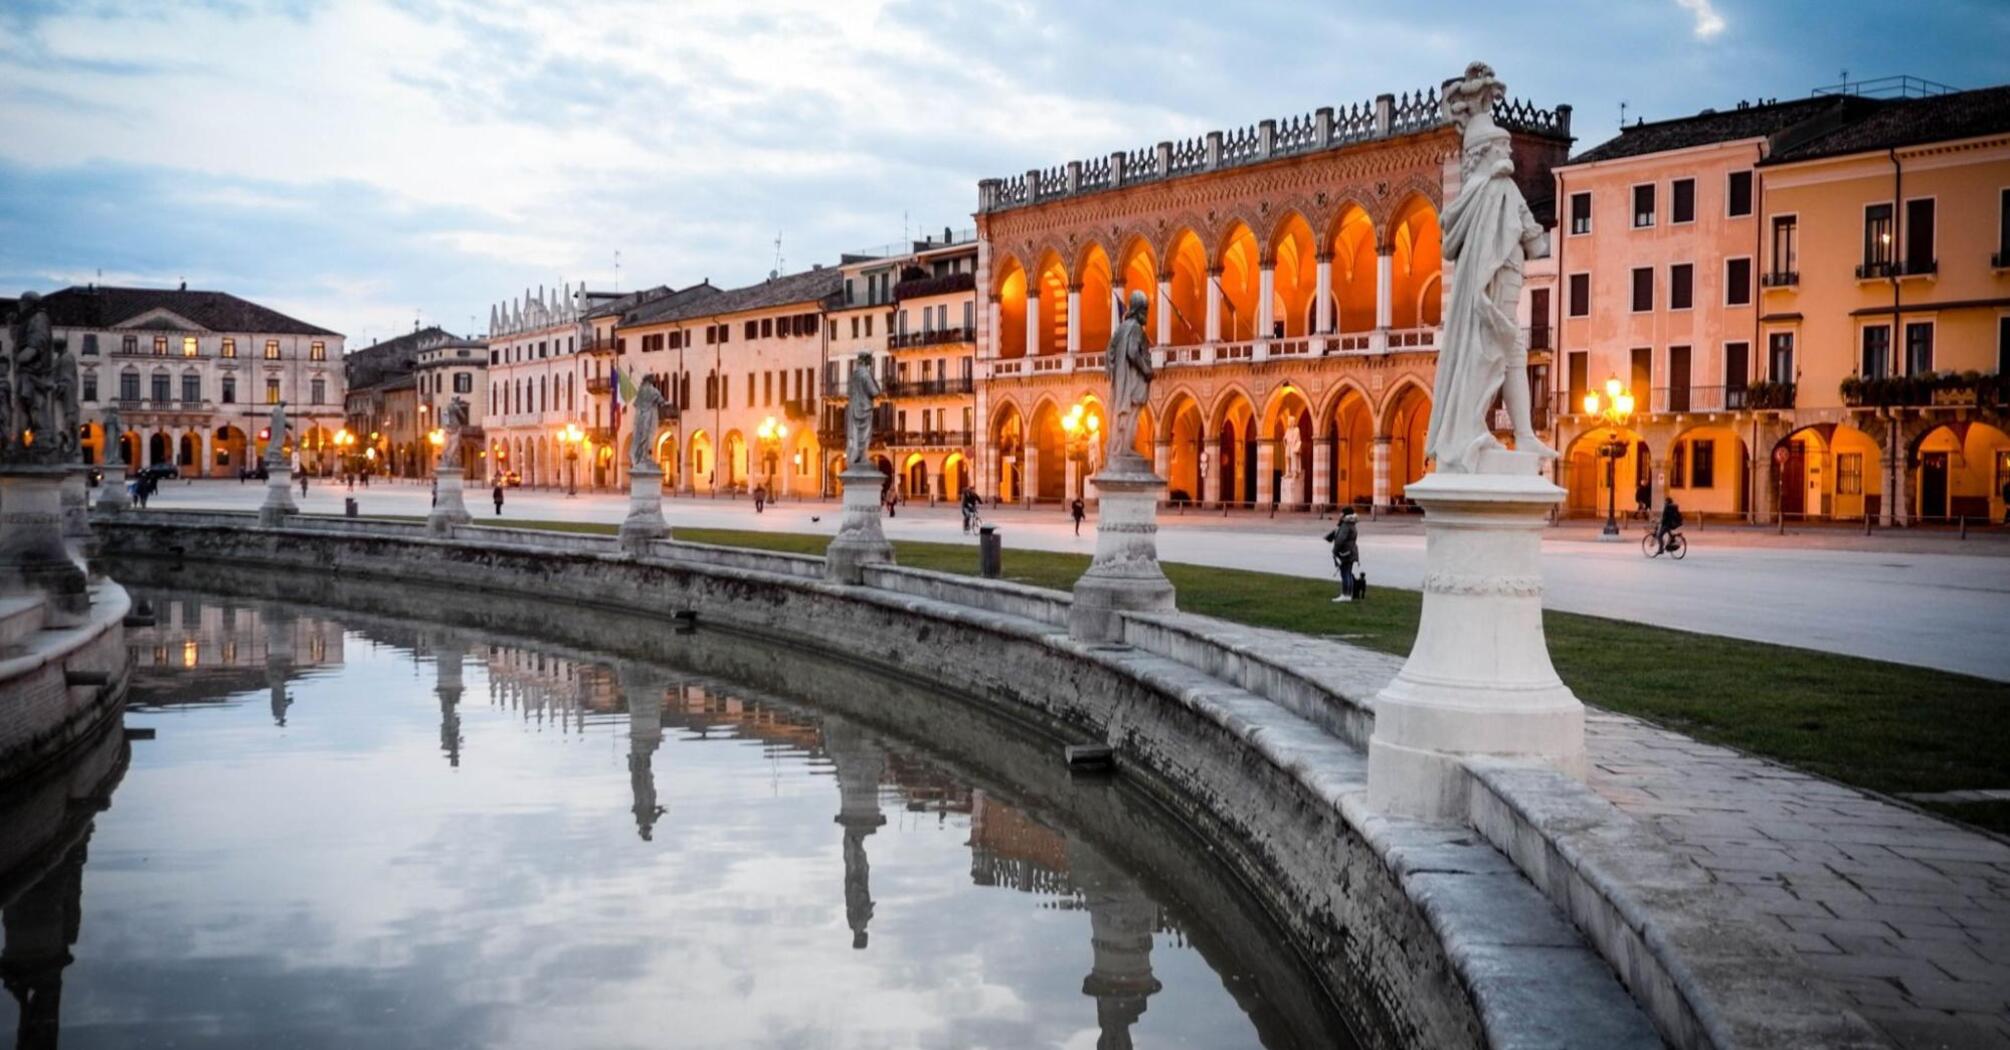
[(303, 484), (760, 498), (1077, 510), (1345, 539), (1643, 497), (969, 503), (497, 495)]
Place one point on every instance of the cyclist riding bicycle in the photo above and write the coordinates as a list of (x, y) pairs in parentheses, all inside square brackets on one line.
[(969, 502), (1671, 520)]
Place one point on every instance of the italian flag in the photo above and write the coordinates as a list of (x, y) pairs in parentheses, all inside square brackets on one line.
[(623, 389)]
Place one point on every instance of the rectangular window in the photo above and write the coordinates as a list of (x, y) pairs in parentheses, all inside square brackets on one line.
[(228, 392), (1877, 246), (160, 389), (1849, 473), (2003, 345), (229, 348), (1580, 295), (1678, 379), (1642, 374), (1678, 466), (191, 389), (1643, 206), (319, 391), (1918, 347), (767, 388), (1876, 360), (767, 327), (1739, 194), (750, 389), (129, 386), (1737, 282), (188, 346), (1681, 286), (1580, 213), (1737, 369), (272, 390), (464, 383), (160, 346), (90, 388), (317, 351), (1643, 289), (1703, 463), (272, 349), (1786, 246), (868, 326), (1682, 200), (90, 345), (1919, 254), (1580, 382), (130, 345)]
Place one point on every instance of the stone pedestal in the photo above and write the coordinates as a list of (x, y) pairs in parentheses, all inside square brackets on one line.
[(644, 523), (278, 495), (33, 556), (449, 509), (1125, 575), (1478, 680), (76, 498), (859, 541), (112, 496)]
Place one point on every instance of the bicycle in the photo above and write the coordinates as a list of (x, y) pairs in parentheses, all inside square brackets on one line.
[(971, 521), (1675, 547)]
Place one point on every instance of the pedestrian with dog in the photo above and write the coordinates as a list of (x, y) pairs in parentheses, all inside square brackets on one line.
[(1346, 541)]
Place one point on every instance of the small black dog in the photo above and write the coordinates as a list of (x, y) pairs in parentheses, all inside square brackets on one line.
[(1360, 587)]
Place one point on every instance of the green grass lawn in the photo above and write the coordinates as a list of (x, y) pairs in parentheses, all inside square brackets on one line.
[(1878, 725)]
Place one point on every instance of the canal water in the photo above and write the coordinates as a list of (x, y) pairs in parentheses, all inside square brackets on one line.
[(353, 829)]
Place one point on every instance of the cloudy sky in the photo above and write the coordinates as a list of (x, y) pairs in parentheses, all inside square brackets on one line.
[(360, 163)]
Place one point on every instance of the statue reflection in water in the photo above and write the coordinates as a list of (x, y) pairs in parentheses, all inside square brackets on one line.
[(644, 691), (858, 761), (1122, 920), (449, 653), (278, 625)]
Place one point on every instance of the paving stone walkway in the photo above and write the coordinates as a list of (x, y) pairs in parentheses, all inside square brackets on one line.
[(1906, 915)]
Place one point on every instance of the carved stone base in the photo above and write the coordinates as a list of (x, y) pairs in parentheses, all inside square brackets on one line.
[(859, 541), (449, 509), (1125, 575), (33, 556), (644, 523), (77, 502), (112, 496), (1478, 681), (278, 495)]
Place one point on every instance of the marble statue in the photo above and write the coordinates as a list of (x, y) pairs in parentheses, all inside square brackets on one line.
[(67, 412), (453, 420), (274, 456), (648, 410), (863, 388), (35, 389), (1129, 364), (115, 428), (1490, 233), (1293, 442)]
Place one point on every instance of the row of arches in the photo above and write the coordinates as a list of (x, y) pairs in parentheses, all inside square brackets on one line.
[(1230, 286), (216, 452), (1348, 449)]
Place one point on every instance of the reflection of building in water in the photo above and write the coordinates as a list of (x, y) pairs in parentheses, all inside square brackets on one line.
[(644, 690), (1010, 849), (449, 651), (205, 649), (858, 762), (548, 688)]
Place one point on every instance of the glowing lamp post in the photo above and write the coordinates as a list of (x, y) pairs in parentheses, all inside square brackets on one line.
[(1081, 427), (1615, 408), (570, 437), (345, 444), (771, 433)]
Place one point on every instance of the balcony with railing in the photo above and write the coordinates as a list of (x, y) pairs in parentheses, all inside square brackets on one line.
[(934, 337), (1927, 389), (161, 404), (1887, 269), (797, 409), (598, 386), (931, 387), (926, 439), (1786, 278), (918, 287)]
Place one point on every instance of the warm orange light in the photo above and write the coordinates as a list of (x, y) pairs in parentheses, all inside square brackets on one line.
[(1612, 388), (1591, 403), (1624, 405)]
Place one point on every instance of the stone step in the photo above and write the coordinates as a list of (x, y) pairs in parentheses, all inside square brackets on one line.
[(21, 618)]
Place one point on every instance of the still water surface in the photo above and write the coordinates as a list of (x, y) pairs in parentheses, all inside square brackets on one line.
[(354, 831)]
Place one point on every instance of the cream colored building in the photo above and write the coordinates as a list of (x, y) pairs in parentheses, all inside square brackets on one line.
[(451, 368)]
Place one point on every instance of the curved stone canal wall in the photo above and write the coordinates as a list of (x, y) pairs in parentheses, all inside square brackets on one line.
[(1508, 932), (58, 685)]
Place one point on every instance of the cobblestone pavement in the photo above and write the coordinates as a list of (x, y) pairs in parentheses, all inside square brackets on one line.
[(1907, 915)]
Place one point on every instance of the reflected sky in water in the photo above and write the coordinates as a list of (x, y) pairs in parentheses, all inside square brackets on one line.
[(358, 835)]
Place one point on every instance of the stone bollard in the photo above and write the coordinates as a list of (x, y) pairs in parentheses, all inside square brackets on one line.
[(77, 502), (449, 509), (990, 552), (1125, 575), (1478, 680), (278, 495), (859, 541), (644, 524), (112, 498)]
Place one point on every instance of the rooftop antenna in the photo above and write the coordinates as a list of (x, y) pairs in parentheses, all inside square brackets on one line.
[(617, 271), (1622, 113), (778, 254)]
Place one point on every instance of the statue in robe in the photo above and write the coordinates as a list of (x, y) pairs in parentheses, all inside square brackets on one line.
[(862, 388), (68, 413), (453, 420), (115, 428), (35, 387), (1294, 442), (1490, 233), (648, 413), (1129, 364), (274, 444)]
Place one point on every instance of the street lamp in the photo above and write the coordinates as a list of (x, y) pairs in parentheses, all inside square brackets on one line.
[(438, 439), (1615, 408), (1081, 427), (571, 436), (771, 433), (344, 443)]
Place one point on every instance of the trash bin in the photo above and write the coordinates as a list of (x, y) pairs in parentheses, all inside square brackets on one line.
[(349, 506), (990, 551)]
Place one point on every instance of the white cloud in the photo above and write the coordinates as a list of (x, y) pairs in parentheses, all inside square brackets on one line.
[(1709, 24)]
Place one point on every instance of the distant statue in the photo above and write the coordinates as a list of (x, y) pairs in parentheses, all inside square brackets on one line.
[(67, 413), (115, 430), (34, 408), (453, 420), (1129, 364), (1490, 233), (863, 388), (277, 429), (648, 417), (1293, 441)]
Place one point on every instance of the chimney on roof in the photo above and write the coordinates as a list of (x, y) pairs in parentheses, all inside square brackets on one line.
[(945, 235), (184, 286)]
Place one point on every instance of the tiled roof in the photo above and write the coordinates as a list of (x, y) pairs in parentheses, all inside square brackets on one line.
[(1909, 122), (625, 303), (661, 307), (100, 307), (809, 286), (369, 365), (1745, 122)]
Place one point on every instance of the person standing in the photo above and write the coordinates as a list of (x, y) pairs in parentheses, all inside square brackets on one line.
[(1345, 539), (303, 484), (1077, 510), (1643, 496), (760, 498), (497, 495)]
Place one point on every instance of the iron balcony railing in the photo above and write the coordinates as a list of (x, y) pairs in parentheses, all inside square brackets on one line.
[(931, 387), (927, 438), (1883, 269), (933, 337), (1785, 278)]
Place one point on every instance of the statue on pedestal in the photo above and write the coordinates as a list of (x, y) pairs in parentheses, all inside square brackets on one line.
[(453, 419), (37, 392), (1293, 442), (115, 428), (1129, 364), (274, 456), (1490, 233), (863, 389), (648, 411)]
